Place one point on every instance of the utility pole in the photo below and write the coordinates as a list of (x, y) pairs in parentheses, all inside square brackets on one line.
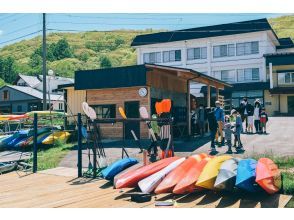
[(44, 64)]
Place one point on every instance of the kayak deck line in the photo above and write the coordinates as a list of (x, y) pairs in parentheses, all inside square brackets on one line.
[(59, 187)]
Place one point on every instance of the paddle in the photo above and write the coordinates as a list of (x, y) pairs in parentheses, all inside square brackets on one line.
[(90, 112), (144, 114), (124, 116)]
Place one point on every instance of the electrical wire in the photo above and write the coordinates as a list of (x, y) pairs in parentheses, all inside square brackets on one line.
[(20, 37)]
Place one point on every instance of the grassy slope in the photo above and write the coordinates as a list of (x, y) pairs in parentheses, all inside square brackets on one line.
[(120, 56)]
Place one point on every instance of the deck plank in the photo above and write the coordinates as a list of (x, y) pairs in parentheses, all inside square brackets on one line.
[(52, 189)]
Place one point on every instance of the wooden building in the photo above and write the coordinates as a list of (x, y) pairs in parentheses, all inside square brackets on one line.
[(133, 86)]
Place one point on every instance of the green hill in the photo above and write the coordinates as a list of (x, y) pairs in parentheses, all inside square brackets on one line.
[(68, 52)]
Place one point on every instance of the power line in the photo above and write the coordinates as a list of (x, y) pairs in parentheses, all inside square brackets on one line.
[(21, 29), (17, 38)]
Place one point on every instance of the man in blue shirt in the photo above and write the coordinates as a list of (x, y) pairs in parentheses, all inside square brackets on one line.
[(220, 118)]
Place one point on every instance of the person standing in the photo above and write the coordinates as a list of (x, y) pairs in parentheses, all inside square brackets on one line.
[(228, 134), (201, 118), (237, 130), (263, 120), (250, 119), (220, 118), (256, 115), (244, 112), (213, 129)]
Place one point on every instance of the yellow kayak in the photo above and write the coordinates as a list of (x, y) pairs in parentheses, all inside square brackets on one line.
[(208, 176), (58, 135)]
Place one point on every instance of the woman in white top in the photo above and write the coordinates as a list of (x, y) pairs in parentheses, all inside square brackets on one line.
[(257, 111)]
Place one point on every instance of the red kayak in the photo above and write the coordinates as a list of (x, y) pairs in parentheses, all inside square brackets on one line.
[(124, 172), (174, 177), (268, 175), (187, 184), (131, 178)]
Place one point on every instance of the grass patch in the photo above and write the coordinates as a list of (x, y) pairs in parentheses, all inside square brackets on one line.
[(288, 183), (284, 162), (50, 158)]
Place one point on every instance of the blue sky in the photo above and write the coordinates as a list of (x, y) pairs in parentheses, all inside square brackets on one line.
[(16, 27)]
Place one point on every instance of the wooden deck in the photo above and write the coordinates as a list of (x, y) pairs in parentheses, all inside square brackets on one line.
[(52, 189)]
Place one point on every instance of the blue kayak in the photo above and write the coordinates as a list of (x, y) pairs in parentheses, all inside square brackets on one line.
[(246, 174), (118, 166)]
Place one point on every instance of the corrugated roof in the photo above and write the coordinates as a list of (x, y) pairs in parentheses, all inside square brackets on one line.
[(204, 32), (30, 80), (36, 93)]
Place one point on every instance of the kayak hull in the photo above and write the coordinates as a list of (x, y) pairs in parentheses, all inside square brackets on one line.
[(174, 177), (226, 178), (148, 184), (209, 174), (118, 166), (131, 178), (246, 174), (57, 135), (122, 173), (187, 184), (268, 175)]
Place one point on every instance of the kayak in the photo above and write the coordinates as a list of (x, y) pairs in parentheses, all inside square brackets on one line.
[(7, 167), (122, 173), (118, 166), (45, 113), (175, 176), (268, 175), (131, 178), (246, 174), (56, 135), (208, 176), (148, 184), (16, 138), (187, 184), (12, 117), (226, 177)]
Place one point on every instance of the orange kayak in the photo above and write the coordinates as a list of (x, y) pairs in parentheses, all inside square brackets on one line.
[(174, 177), (131, 178), (187, 184), (268, 175)]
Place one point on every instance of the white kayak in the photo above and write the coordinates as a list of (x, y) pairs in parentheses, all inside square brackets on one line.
[(148, 184)]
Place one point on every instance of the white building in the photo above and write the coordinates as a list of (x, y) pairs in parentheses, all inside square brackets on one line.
[(235, 53)]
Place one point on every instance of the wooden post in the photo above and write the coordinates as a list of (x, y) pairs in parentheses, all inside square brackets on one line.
[(35, 152), (217, 94), (208, 96), (188, 108), (80, 145)]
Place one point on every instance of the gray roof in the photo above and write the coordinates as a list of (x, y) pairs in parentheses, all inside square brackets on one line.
[(36, 93), (30, 80)]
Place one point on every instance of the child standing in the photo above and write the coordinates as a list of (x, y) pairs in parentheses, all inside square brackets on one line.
[(228, 134), (250, 119), (238, 130), (263, 120), (213, 126)]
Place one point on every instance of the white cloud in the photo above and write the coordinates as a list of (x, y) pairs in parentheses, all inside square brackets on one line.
[(1, 32)]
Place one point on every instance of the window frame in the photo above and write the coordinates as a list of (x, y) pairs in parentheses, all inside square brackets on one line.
[(157, 57), (249, 45), (112, 113), (6, 95), (284, 83), (225, 50), (172, 56), (251, 78), (201, 53)]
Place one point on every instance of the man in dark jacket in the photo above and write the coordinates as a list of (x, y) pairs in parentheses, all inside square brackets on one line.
[(244, 108), (213, 126)]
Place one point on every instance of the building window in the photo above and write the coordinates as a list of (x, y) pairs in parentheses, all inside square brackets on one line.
[(5, 95), (19, 108), (247, 48), (197, 53), (225, 75), (60, 106), (154, 57), (227, 50), (248, 74), (105, 111), (286, 78), (171, 56), (252, 95)]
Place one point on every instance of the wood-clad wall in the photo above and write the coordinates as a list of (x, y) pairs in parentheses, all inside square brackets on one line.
[(118, 96), (166, 81), (74, 100)]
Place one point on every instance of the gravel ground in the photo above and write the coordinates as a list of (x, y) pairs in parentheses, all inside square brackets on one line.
[(278, 141)]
